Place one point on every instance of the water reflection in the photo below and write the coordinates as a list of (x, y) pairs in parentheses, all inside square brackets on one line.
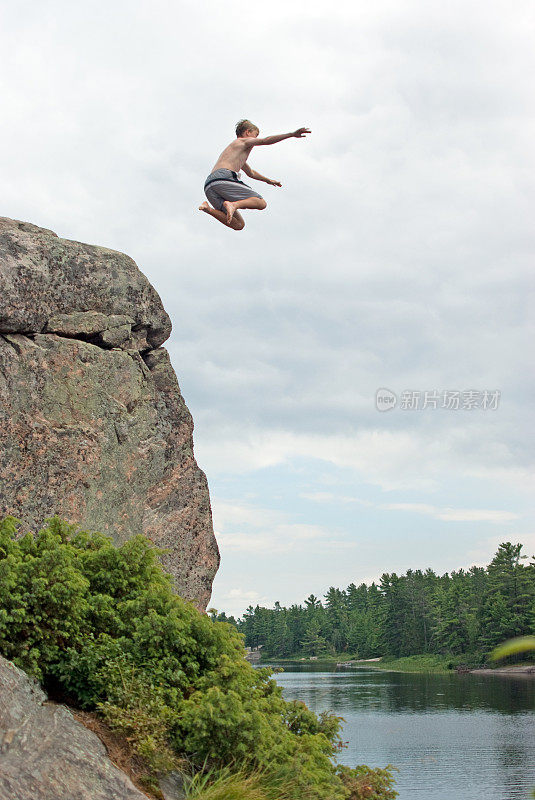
[(405, 692), (463, 736)]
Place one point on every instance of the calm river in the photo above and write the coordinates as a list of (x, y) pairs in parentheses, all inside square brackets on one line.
[(450, 736)]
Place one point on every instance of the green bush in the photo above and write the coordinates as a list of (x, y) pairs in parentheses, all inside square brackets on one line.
[(102, 624), (363, 783)]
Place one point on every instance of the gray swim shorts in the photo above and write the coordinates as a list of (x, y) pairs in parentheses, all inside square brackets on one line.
[(223, 184)]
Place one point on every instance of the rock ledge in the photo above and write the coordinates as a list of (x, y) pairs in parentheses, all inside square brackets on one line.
[(45, 754), (93, 426)]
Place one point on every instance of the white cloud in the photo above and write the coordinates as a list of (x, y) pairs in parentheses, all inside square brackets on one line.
[(398, 253), (235, 600), (437, 512), (227, 514), (290, 537), (232, 594), (391, 459), (331, 497), (480, 553), (253, 529), (454, 514)]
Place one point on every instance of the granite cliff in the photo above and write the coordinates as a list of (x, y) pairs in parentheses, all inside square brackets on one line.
[(93, 426), (45, 754)]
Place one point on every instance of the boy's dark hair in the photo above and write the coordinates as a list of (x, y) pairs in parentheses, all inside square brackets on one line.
[(245, 125)]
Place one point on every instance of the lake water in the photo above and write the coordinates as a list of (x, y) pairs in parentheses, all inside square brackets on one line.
[(451, 736)]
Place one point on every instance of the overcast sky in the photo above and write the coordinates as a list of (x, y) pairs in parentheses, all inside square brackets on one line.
[(398, 255)]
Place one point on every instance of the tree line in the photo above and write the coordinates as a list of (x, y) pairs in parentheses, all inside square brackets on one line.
[(467, 612)]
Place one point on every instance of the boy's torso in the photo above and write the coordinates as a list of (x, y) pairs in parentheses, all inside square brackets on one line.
[(233, 157)]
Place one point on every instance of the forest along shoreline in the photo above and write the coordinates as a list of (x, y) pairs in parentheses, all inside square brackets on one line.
[(416, 622)]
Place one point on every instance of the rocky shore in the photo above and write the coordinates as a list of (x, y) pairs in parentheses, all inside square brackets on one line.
[(514, 672)]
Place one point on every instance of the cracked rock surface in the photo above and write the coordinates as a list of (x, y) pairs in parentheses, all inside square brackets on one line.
[(93, 426), (45, 754)]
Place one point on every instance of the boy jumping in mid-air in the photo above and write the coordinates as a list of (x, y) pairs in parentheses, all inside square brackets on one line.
[(223, 187)]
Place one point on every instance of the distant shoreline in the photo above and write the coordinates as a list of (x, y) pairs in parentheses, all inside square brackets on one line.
[(416, 664), (520, 671)]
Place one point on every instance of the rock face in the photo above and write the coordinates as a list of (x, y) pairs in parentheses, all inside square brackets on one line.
[(45, 754), (92, 423)]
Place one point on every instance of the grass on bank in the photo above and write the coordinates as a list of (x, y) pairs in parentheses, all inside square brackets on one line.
[(361, 783), (424, 663)]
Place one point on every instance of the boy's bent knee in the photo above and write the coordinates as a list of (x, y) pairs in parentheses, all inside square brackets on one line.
[(262, 205), (238, 225)]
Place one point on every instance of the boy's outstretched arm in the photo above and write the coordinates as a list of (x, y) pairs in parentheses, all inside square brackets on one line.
[(252, 173), (255, 142)]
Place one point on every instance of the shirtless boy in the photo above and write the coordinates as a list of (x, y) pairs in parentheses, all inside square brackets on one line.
[(223, 187)]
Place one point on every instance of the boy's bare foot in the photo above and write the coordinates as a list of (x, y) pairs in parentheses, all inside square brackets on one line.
[(204, 207), (230, 208)]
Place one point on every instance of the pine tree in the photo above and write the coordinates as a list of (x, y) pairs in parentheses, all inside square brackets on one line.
[(467, 612)]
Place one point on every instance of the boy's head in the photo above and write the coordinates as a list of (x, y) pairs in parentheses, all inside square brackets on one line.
[(245, 126)]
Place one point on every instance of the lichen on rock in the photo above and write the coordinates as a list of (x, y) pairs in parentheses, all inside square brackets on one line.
[(93, 426), (45, 754)]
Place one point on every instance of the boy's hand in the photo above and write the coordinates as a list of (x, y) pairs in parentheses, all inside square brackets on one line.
[(274, 183), (300, 132)]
